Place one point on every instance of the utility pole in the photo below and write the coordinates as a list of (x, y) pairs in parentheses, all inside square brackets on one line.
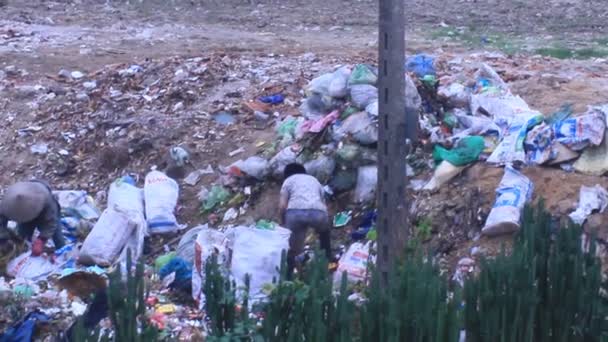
[(392, 210)]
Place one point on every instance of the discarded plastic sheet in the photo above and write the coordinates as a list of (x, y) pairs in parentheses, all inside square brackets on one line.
[(443, 174), (161, 194), (208, 242), (257, 252), (512, 193), (591, 198), (456, 95), (256, 167), (466, 151), (77, 203), (355, 263)]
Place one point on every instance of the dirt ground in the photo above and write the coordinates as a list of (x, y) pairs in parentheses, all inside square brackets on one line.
[(249, 45)]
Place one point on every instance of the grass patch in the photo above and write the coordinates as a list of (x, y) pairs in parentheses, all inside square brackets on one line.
[(565, 53)]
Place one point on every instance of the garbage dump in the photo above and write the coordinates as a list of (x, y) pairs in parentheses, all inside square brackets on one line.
[(328, 122)]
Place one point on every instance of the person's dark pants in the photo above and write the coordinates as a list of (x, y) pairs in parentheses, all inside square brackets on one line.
[(298, 221)]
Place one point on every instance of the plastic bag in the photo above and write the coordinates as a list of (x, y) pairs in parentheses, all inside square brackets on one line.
[(36, 268), (217, 195), (321, 168), (320, 85), (362, 74), (286, 156), (355, 263), (539, 144), (511, 147), (338, 87), (591, 198), (185, 247), (443, 174), (257, 252), (360, 126), (125, 195), (421, 65), (367, 181), (77, 203), (513, 192), (363, 94), (466, 151), (412, 97), (161, 194), (579, 132), (456, 95), (208, 242), (256, 167), (372, 108), (108, 238), (594, 160)]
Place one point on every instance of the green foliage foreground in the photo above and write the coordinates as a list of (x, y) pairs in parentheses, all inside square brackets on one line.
[(547, 288)]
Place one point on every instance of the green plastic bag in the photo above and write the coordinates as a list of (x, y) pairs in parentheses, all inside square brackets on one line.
[(217, 195), (287, 128), (466, 151), (265, 225), (362, 74), (163, 260), (342, 218)]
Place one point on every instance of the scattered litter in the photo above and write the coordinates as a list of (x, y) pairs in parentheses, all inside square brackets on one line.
[(224, 118), (342, 218), (41, 148), (355, 263), (443, 174), (237, 151), (591, 198)]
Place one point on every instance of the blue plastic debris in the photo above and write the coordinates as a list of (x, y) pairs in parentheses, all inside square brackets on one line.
[(183, 273), (273, 99), (23, 331), (421, 65)]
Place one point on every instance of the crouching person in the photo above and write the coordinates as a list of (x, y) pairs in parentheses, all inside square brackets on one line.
[(302, 206), (32, 205)]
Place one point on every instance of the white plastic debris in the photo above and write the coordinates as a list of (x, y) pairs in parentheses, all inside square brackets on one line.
[(41, 148), (513, 192), (443, 174), (591, 198)]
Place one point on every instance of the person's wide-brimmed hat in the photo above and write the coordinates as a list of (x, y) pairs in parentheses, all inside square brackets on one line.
[(24, 201)]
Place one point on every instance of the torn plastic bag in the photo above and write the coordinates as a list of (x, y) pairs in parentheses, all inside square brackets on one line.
[(360, 126), (512, 193), (286, 156), (539, 144), (455, 95), (488, 79), (161, 194), (444, 172), (36, 268), (511, 147), (594, 160), (367, 181), (363, 94), (208, 242), (591, 198), (257, 252), (321, 168), (579, 132), (355, 262), (256, 167), (363, 74)]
